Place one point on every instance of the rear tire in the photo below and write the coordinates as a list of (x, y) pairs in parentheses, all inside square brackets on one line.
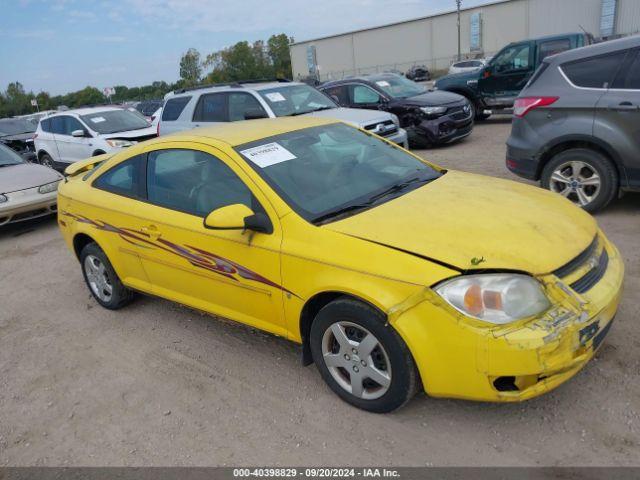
[(102, 280), (584, 176), (361, 357)]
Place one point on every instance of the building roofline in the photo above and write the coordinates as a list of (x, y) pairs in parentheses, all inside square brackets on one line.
[(440, 14)]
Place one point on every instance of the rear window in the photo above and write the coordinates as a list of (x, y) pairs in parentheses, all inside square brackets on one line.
[(553, 47), (173, 108), (538, 73), (594, 72)]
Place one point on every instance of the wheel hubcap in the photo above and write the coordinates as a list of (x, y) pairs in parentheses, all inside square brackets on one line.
[(356, 360), (578, 181), (98, 278)]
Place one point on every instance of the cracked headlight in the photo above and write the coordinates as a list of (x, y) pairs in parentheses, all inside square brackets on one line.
[(495, 298), (3, 198), (119, 143), (432, 111), (49, 187)]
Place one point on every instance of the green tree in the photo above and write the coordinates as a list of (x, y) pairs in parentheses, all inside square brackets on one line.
[(190, 68), (278, 50)]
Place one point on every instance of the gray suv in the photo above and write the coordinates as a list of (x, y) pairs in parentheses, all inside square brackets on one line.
[(206, 105), (576, 124)]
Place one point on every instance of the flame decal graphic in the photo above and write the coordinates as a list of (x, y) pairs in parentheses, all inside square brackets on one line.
[(195, 256)]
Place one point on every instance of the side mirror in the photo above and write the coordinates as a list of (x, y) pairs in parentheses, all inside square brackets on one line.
[(79, 133), (238, 217), (255, 114)]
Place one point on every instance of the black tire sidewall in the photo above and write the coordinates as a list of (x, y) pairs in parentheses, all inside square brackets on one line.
[(403, 370), (46, 163), (120, 295), (601, 164)]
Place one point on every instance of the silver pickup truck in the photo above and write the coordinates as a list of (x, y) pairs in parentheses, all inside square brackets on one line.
[(201, 106)]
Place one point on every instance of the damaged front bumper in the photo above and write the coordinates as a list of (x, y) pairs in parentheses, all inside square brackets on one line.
[(442, 130), (459, 357)]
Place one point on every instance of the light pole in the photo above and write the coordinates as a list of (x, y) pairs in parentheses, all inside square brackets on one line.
[(458, 3)]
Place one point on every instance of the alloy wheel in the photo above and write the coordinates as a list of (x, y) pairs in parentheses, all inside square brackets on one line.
[(578, 181), (98, 278), (356, 360)]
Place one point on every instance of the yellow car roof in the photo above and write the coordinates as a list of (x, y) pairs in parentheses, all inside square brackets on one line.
[(238, 133)]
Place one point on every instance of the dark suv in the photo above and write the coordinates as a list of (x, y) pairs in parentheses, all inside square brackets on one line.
[(430, 117), (576, 124)]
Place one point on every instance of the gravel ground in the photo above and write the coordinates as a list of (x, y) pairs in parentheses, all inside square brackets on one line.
[(159, 384)]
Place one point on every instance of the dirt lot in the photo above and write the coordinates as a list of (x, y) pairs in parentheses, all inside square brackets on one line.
[(158, 384)]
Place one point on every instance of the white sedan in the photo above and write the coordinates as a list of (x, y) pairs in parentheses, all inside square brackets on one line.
[(467, 65), (27, 190)]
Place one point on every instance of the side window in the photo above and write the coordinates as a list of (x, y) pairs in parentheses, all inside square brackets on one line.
[(594, 72), (513, 58), (72, 124), (193, 182), (631, 79), (364, 95), (244, 106), (173, 108), (58, 125), (339, 94), (211, 108), (46, 125), (126, 178), (553, 47)]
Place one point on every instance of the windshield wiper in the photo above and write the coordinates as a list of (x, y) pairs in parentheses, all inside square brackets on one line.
[(340, 211), (311, 111), (398, 187)]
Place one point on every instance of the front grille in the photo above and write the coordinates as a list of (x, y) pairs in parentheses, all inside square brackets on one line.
[(458, 113), (595, 273), (384, 129), (593, 276), (577, 262)]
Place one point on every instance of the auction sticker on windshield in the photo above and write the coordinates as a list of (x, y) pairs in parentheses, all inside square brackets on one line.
[(268, 154), (97, 119), (275, 97), (383, 83)]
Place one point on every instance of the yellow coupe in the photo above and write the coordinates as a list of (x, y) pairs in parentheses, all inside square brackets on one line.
[(392, 273)]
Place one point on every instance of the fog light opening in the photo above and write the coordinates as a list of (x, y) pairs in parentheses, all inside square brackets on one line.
[(506, 384)]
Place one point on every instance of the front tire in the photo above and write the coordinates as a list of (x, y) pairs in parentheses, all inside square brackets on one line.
[(584, 176), (102, 280), (46, 160), (362, 358)]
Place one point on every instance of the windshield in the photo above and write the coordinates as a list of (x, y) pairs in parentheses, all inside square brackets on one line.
[(290, 100), (325, 169), (9, 157), (396, 86), (15, 126), (112, 121)]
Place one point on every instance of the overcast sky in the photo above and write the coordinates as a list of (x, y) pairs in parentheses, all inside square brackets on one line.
[(64, 45)]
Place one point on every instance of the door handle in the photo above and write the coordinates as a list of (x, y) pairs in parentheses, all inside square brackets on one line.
[(151, 231), (624, 106)]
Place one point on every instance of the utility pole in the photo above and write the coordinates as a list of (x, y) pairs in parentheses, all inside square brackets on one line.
[(458, 3)]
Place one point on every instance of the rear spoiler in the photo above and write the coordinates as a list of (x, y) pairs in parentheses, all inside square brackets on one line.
[(85, 165)]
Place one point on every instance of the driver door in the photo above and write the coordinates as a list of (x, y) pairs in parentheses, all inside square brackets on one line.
[(231, 273), (507, 74)]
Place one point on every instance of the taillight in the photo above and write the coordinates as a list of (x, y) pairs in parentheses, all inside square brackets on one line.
[(158, 129), (522, 106)]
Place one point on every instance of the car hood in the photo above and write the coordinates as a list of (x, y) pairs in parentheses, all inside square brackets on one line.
[(458, 78), (459, 217), (25, 175), (354, 116), (143, 132), (432, 99)]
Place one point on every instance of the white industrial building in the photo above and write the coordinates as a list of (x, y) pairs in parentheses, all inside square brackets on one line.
[(433, 40)]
